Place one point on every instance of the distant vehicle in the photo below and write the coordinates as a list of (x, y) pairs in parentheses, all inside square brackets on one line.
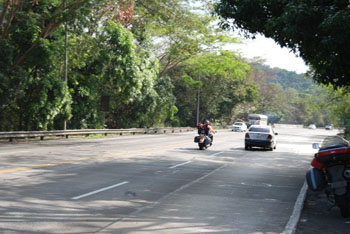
[(239, 127), (257, 119), (312, 126), (260, 136), (329, 127)]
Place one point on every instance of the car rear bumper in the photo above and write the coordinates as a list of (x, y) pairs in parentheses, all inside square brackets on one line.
[(237, 129), (259, 143)]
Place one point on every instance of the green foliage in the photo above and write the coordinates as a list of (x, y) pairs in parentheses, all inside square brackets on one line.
[(128, 77), (340, 108), (289, 97), (223, 85), (288, 79), (32, 92), (44, 98), (180, 30), (147, 58), (115, 67), (317, 30), (104, 62)]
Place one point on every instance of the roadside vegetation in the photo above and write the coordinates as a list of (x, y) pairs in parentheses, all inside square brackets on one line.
[(140, 64), (322, 42)]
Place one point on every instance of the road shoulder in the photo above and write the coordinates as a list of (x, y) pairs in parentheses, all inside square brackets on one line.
[(318, 216)]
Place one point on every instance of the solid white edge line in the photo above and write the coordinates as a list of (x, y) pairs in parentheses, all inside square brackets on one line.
[(290, 228), (181, 164), (99, 190), (218, 153)]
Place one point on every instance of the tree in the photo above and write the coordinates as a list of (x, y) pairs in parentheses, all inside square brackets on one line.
[(110, 64), (271, 97), (289, 97), (224, 84), (317, 30), (117, 53), (31, 89), (129, 77), (104, 61), (44, 19), (339, 107), (180, 30)]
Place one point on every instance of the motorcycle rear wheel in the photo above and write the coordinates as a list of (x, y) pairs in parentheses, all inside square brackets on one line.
[(201, 146), (343, 202)]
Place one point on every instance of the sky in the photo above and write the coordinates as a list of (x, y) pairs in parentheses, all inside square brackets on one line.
[(274, 55)]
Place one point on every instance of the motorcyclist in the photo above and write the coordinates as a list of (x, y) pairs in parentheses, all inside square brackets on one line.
[(200, 127), (209, 130)]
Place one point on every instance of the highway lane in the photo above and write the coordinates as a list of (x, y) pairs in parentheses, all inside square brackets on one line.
[(152, 184)]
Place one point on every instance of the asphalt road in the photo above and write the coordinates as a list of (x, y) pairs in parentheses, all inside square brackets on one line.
[(153, 184)]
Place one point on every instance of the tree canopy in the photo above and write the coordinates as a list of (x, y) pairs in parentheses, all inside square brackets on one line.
[(121, 63), (316, 30), (223, 81), (136, 63)]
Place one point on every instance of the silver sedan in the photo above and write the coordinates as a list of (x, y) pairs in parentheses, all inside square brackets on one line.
[(260, 136)]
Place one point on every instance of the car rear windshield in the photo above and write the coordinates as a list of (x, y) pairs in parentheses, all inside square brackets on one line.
[(259, 130), (238, 124)]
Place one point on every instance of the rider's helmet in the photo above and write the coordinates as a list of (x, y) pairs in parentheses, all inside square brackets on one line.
[(207, 122)]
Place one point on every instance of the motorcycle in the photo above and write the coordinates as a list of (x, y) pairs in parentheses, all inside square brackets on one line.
[(203, 139), (330, 172)]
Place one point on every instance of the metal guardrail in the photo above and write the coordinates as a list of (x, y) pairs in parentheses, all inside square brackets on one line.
[(87, 132)]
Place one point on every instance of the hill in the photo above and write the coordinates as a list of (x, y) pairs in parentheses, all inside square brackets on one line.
[(288, 79)]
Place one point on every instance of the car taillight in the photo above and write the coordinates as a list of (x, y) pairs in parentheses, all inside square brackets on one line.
[(247, 135), (269, 137)]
